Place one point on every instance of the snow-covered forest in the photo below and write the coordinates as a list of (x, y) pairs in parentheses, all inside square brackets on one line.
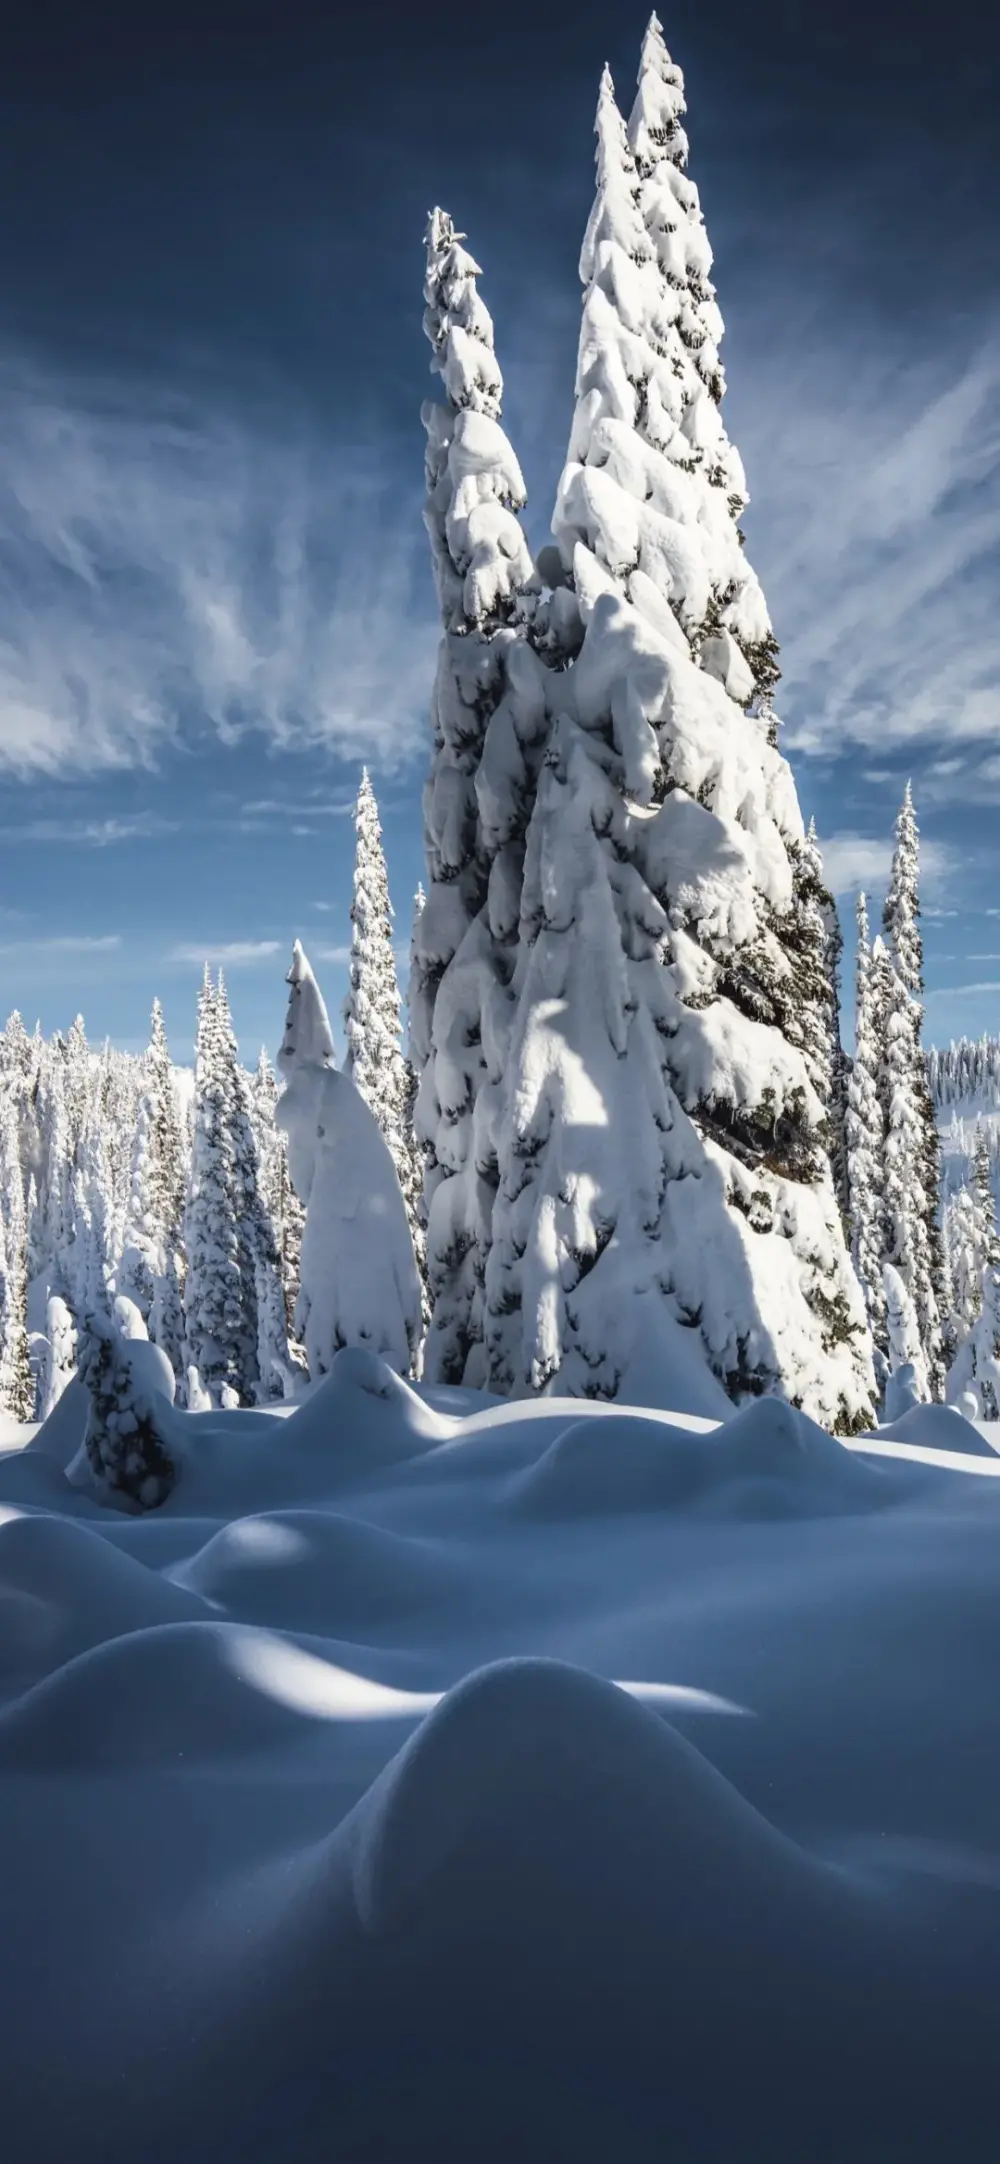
[(620, 1140)]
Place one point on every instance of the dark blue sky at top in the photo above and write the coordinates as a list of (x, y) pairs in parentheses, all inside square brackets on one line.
[(214, 591)]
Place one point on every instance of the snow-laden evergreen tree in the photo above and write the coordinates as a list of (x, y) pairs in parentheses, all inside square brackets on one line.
[(125, 1444), (412, 1176), (973, 1381), (489, 725), (912, 1180), (266, 1360), (281, 1201), (908, 1381), (142, 1259), (865, 1138), (60, 1354), (56, 1203), (359, 1277), (168, 1149), (17, 1390), (78, 1083), (373, 1008), (215, 1326), (664, 1178)]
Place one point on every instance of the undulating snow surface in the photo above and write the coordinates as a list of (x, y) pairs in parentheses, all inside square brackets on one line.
[(325, 1831)]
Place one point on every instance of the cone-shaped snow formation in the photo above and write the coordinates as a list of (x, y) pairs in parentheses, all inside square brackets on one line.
[(663, 1155), (489, 726), (358, 1277)]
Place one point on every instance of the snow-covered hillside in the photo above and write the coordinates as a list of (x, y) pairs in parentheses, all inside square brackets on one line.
[(432, 1776)]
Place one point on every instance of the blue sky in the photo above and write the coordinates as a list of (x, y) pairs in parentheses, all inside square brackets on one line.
[(215, 598)]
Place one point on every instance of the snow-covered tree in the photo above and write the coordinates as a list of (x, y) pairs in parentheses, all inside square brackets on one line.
[(142, 1259), (281, 1201), (60, 1354), (975, 1370), (168, 1149), (359, 1277), (125, 1445), (215, 1327), (17, 1390), (663, 1171), (912, 1143), (373, 1008), (909, 1380), (865, 1137), (489, 722)]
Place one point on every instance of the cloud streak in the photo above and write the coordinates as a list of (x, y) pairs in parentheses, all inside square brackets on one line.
[(876, 530), (169, 574), (851, 861), (225, 954)]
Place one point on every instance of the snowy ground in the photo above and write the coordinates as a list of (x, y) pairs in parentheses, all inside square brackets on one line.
[(265, 1898)]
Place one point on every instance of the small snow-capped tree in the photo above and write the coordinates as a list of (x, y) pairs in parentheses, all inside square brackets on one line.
[(215, 1328), (909, 1381), (373, 1008), (60, 1355), (359, 1277), (266, 1358), (168, 1150), (865, 1138), (975, 1370), (78, 1083), (125, 1444), (489, 721), (911, 1189), (142, 1259), (17, 1390), (981, 1184), (55, 1202), (663, 1171), (280, 1199)]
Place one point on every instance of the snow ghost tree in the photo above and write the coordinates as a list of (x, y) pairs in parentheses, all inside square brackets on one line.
[(664, 1171), (359, 1281), (489, 722)]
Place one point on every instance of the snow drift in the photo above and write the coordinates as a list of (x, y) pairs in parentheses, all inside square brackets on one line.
[(394, 1862)]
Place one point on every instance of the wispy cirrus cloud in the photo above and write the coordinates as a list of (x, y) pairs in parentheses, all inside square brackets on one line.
[(65, 943), (90, 833), (876, 528), (169, 572), (225, 954), (851, 861)]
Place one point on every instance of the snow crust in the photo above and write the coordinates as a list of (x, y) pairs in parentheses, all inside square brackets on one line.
[(319, 1777)]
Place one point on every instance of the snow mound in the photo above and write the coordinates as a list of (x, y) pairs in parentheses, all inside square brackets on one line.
[(772, 1461), (937, 1427), (529, 1770), (61, 1435), (175, 1696), (619, 1463), (369, 1413), (66, 1589), (766, 1461), (290, 1565)]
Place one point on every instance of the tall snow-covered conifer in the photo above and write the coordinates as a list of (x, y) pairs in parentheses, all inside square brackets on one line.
[(865, 1134), (489, 723), (664, 1179), (215, 1326), (17, 1392), (373, 1008), (912, 1180)]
